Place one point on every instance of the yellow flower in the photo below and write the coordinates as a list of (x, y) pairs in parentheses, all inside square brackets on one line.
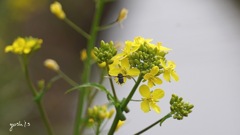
[(150, 98), (51, 64), (24, 45), (122, 15), (120, 123), (123, 67), (151, 77), (83, 54), (56, 9), (169, 70), (129, 48), (140, 40), (162, 48)]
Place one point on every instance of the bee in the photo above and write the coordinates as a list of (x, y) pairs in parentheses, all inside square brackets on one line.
[(119, 78)]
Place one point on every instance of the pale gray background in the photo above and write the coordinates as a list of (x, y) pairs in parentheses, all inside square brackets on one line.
[(205, 38)]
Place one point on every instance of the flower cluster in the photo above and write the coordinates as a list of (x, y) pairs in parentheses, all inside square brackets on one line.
[(179, 108), (24, 45), (105, 52), (98, 114), (139, 57)]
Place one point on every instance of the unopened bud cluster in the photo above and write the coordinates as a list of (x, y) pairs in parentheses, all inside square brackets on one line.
[(146, 57), (179, 108), (98, 114), (105, 52)]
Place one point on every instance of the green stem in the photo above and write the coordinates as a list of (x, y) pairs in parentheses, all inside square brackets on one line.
[(124, 105), (34, 93), (67, 79), (155, 123), (87, 66), (107, 26), (78, 29)]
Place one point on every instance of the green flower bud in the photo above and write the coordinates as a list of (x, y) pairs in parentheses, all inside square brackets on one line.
[(179, 108), (105, 52)]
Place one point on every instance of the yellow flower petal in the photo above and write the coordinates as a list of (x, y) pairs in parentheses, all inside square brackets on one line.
[(147, 76), (144, 91), (174, 75), (145, 106), (133, 72), (155, 107), (150, 84), (157, 94), (157, 80), (154, 70), (166, 76), (125, 63), (163, 63), (115, 71)]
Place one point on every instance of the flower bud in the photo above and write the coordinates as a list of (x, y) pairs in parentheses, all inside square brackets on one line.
[(51, 64), (56, 9), (122, 15)]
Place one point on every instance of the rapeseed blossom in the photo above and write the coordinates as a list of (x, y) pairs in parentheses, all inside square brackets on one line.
[(169, 70), (150, 98), (24, 45), (152, 78), (123, 67)]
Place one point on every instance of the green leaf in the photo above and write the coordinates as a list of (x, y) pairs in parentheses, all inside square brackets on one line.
[(93, 85)]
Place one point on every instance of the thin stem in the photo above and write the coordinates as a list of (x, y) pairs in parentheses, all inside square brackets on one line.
[(107, 26), (155, 123), (34, 93), (87, 66), (78, 29), (113, 89), (124, 105), (66, 78)]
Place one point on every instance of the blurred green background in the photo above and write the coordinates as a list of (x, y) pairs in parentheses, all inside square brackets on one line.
[(60, 42)]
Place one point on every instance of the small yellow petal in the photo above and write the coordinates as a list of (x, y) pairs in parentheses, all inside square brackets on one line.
[(166, 76), (150, 84), (125, 63), (115, 71), (157, 94), (147, 76), (144, 91), (145, 106), (163, 63), (174, 75), (157, 80), (154, 70), (155, 107), (133, 72)]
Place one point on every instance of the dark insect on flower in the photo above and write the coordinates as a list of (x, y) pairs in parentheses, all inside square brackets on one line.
[(119, 78)]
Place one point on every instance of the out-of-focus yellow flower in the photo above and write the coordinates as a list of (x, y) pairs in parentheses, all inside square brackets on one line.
[(51, 64), (169, 70), (122, 15), (150, 98), (24, 45), (83, 54), (152, 78), (123, 67), (56, 9), (120, 123)]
